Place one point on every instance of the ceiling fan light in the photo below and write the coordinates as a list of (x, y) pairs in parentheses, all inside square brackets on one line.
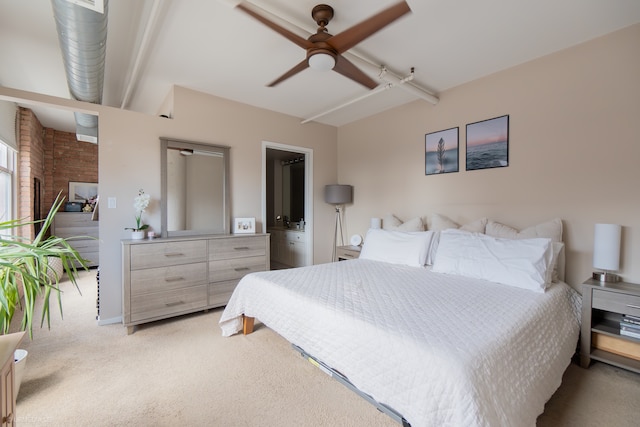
[(322, 62)]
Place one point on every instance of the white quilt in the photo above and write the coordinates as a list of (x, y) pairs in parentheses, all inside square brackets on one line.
[(442, 350)]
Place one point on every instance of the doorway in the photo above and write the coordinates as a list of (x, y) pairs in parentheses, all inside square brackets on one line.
[(287, 203)]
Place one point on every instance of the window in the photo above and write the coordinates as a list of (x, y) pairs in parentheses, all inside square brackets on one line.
[(7, 179)]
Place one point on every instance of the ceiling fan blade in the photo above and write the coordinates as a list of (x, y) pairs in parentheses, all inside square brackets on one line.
[(354, 35), (295, 70), (347, 69), (300, 41)]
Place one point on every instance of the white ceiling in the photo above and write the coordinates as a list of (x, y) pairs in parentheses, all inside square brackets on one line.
[(209, 46)]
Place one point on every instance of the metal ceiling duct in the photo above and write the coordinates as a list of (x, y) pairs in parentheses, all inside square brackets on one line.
[(82, 34)]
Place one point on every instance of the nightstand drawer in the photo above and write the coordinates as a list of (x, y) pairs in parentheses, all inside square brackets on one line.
[(616, 302), (347, 252)]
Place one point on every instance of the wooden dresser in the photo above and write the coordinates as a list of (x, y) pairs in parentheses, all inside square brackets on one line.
[(163, 278), (79, 224)]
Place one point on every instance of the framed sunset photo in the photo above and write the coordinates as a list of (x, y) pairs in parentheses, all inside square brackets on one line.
[(488, 144)]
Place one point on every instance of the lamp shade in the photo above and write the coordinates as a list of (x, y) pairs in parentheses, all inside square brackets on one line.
[(338, 194), (322, 62), (376, 223), (606, 246)]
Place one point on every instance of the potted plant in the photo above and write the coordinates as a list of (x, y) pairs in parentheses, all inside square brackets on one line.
[(27, 270), (140, 204)]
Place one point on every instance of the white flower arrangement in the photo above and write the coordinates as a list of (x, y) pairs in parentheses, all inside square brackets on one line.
[(140, 204)]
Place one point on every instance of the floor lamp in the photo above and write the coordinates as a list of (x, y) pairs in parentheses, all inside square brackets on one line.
[(338, 195)]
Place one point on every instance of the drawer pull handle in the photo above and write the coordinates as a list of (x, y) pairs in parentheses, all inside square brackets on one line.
[(173, 254), (173, 304), (241, 269), (633, 306), (173, 279), (241, 248)]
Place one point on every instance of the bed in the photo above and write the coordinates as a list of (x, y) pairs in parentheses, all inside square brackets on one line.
[(436, 345)]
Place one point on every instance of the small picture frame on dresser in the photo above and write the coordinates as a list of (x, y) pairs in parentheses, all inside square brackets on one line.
[(244, 226), (82, 191)]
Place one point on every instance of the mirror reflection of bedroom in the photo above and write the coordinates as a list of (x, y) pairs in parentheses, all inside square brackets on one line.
[(285, 202)]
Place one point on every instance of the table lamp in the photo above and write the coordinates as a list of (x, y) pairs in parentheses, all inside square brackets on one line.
[(606, 252)]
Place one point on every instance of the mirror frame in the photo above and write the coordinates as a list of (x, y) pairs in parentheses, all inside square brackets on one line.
[(172, 143)]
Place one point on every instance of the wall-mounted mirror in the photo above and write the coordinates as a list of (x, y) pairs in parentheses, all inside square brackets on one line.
[(195, 188)]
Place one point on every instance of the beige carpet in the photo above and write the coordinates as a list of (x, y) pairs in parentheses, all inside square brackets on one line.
[(182, 372)]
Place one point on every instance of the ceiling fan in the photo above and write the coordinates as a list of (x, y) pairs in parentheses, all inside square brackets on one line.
[(324, 51)]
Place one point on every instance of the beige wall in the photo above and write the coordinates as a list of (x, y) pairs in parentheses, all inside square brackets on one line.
[(574, 151), (130, 159)]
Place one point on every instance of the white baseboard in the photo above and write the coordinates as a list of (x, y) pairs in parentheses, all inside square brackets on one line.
[(113, 320)]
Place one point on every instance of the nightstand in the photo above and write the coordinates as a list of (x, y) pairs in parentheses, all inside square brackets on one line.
[(347, 252), (603, 305)]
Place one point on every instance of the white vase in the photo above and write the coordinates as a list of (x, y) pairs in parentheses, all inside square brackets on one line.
[(20, 360), (137, 235)]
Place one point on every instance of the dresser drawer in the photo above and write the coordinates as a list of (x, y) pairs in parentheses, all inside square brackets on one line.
[(220, 292), (167, 253), (237, 247), (616, 302), (161, 304), (174, 277), (235, 269), (74, 219), (84, 244), (294, 236), (66, 232)]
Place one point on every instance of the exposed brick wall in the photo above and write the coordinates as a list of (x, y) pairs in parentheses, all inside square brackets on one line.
[(72, 160), (54, 157), (30, 166)]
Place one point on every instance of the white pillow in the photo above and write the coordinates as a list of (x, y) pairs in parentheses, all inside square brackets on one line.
[(433, 248), (523, 263), (441, 222), (392, 222), (551, 229), (397, 247)]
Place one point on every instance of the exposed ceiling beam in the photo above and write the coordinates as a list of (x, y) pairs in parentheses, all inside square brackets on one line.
[(157, 10)]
